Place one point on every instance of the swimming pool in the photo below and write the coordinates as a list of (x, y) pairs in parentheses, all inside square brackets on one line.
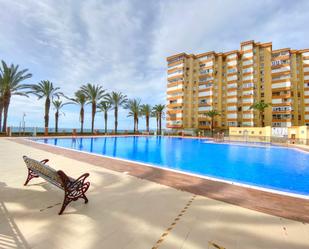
[(271, 167)]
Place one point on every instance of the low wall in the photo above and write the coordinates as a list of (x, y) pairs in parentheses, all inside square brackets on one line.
[(250, 131)]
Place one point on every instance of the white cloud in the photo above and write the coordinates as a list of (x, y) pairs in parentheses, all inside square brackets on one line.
[(123, 44)]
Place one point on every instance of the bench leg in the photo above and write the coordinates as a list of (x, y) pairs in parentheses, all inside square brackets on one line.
[(66, 202), (85, 198), (31, 175)]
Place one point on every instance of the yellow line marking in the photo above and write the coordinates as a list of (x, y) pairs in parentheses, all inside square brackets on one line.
[(43, 209), (170, 228), (215, 245)]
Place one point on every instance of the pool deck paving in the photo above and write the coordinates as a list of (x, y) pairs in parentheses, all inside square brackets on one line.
[(132, 210)]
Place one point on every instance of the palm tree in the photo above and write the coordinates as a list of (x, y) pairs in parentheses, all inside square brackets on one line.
[(1, 100), (158, 113), (260, 107), (116, 99), (58, 104), (146, 111), (105, 106), (80, 99), (45, 89), (134, 107), (94, 94), (212, 114), (10, 79)]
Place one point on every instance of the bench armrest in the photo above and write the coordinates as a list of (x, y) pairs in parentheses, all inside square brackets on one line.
[(70, 184), (79, 183)]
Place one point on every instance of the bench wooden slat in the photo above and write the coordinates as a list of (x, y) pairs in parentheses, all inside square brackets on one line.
[(43, 170)]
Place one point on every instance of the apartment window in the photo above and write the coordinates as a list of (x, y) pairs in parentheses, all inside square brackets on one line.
[(176, 72), (282, 116), (281, 108), (247, 70), (247, 85), (232, 70), (248, 62), (175, 66), (206, 57), (231, 108), (248, 77), (175, 80), (281, 77), (283, 53), (206, 79), (247, 47), (279, 62), (231, 56), (175, 59), (275, 63), (206, 71)]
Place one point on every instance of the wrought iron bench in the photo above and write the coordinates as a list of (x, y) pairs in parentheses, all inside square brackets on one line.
[(73, 189)]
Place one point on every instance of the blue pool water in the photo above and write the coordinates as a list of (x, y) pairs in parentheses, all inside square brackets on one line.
[(269, 167)]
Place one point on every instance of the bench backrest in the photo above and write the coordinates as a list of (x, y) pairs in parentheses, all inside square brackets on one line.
[(44, 171)]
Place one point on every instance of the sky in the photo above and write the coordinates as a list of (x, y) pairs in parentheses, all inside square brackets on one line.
[(122, 45)]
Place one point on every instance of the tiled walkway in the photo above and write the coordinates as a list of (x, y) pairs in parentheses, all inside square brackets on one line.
[(125, 211)]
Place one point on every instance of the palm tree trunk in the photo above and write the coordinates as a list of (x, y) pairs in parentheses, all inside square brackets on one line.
[(116, 119), (212, 127), (56, 121), (1, 111), (46, 116), (6, 104), (160, 123), (93, 116), (5, 115), (157, 119), (137, 124), (82, 119), (105, 120), (147, 123)]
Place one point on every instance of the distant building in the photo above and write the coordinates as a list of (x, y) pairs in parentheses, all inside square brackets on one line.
[(231, 82)]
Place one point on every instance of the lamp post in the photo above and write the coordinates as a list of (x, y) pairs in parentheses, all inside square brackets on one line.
[(24, 123)]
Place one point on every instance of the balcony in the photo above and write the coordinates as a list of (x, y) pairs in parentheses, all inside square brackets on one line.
[(281, 85)]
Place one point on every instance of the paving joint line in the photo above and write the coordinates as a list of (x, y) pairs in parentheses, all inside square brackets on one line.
[(174, 223)]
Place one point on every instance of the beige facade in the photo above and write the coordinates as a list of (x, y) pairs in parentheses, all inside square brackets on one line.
[(251, 131), (231, 82), (297, 133)]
